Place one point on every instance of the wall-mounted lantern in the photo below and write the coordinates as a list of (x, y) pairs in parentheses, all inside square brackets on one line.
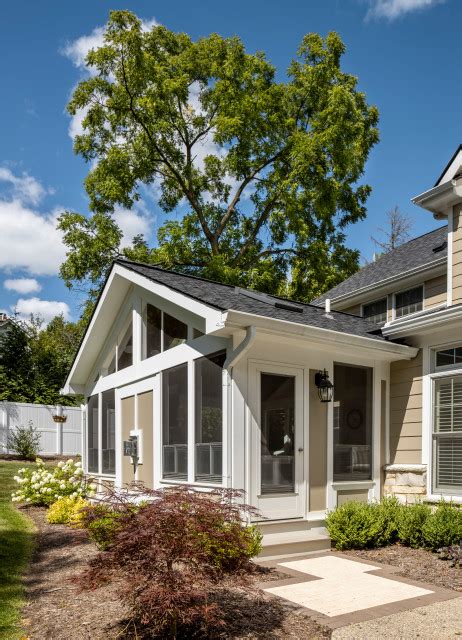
[(324, 385)]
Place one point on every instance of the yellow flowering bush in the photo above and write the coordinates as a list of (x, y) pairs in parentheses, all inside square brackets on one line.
[(67, 511), (42, 486)]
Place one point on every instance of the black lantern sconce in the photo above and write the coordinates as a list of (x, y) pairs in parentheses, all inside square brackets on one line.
[(324, 385)]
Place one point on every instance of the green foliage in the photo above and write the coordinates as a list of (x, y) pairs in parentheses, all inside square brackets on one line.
[(388, 513), (42, 486), (25, 441), (66, 510), (354, 525), (261, 176), (227, 550), (411, 522), (444, 527), (102, 523), (34, 360)]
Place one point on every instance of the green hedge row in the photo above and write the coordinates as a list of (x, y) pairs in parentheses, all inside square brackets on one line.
[(358, 525)]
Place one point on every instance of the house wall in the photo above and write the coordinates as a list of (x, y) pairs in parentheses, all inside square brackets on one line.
[(435, 291), (456, 254), (406, 411), (317, 463)]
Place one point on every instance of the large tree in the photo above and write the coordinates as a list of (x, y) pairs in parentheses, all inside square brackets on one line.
[(261, 175), (34, 360)]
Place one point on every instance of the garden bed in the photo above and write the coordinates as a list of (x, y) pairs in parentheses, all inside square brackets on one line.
[(416, 564), (57, 609)]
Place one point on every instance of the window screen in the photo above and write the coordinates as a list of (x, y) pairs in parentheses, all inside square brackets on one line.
[(409, 301), (376, 311)]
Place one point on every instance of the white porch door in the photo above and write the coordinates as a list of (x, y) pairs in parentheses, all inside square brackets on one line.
[(277, 452)]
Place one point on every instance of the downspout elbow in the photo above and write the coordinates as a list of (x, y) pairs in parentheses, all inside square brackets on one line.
[(241, 349)]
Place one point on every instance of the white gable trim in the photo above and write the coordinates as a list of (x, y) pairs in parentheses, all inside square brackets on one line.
[(452, 168), (212, 317)]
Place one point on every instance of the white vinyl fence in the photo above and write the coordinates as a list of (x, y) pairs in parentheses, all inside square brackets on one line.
[(56, 438)]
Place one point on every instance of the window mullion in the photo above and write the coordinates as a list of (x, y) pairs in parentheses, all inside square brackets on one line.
[(191, 423)]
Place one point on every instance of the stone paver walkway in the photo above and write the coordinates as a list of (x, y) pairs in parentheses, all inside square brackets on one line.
[(364, 600)]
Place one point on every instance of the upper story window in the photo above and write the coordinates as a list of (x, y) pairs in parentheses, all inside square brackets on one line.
[(376, 311), (449, 357), (409, 301), (161, 331), (125, 349)]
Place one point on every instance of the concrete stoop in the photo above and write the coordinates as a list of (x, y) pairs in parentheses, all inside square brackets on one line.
[(283, 539)]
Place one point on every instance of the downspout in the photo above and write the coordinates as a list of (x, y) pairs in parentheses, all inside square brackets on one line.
[(231, 360)]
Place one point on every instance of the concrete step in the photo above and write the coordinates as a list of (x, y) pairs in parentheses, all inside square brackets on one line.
[(282, 526), (290, 543)]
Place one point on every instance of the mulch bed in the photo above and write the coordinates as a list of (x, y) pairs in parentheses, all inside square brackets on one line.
[(57, 610), (416, 564)]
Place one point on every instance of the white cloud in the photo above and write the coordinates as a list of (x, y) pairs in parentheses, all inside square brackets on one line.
[(46, 309), (392, 9), (22, 285), (25, 187), (132, 223), (77, 50), (29, 240)]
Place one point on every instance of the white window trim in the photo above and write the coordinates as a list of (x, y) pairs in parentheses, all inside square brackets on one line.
[(428, 398), (365, 304), (447, 367), (414, 313), (99, 474)]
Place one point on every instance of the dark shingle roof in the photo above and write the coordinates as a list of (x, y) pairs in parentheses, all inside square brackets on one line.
[(416, 253), (227, 297)]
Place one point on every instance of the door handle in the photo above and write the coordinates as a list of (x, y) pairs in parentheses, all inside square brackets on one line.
[(300, 449)]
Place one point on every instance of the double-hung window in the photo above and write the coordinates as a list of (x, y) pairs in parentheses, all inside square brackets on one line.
[(409, 301), (447, 435), (376, 311)]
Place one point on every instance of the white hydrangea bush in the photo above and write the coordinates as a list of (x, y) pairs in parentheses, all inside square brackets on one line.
[(41, 486)]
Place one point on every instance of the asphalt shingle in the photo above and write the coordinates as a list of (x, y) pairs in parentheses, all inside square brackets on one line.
[(411, 255), (227, 297)]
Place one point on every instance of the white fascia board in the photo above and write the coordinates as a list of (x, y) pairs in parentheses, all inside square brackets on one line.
[(389, 285), (122, 278), (425, 323), (380, 350), (440, 199)]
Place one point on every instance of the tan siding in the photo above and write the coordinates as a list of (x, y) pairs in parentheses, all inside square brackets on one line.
[(456, 255), (145, 423), (352, 495), (355, 310), (318, 449), (383, 430), (406, 410), (128, 421), (435, 291)]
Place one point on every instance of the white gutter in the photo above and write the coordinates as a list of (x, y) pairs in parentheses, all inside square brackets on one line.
[(382, 348), (439, 199), (423, 323), (239, 351)]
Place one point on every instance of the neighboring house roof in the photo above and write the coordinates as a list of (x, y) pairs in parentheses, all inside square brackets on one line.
[(417, 253), (228, 297)]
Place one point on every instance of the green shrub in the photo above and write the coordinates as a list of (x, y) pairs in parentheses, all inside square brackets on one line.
[(444, 527), (102, 523), (41, 486), (65, 510), (227, 550), (25, 441), (355, 525), (388, 514), (411, 522)]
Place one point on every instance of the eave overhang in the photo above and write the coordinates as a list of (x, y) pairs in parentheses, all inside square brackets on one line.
[(447, 318), (440, 199)]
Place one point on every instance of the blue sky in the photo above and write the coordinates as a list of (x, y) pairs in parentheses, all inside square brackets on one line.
[(405, 53)]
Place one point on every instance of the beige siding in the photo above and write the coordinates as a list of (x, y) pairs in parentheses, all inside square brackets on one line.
[(383, 426), (457, 255), (355, 310), (353, 495), (145, 423), (128, 421), (318, 449), (435, 291), (406, 411)]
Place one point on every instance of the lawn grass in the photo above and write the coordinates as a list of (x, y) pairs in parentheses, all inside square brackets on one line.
[(16, 545)]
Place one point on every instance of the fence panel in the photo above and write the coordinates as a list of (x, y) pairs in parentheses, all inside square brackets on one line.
[(55, 438)]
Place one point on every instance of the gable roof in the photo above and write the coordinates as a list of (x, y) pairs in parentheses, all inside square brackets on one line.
[(226, 297), (428, 249), (446, 173)]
